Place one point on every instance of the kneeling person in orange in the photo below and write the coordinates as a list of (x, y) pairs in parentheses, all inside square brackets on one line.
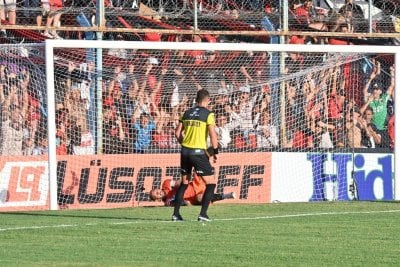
[(192, 196)]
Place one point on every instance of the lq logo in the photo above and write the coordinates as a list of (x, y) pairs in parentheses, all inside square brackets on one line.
[(24, 184)]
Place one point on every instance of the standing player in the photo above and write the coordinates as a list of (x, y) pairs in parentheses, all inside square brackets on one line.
[(192, 131)]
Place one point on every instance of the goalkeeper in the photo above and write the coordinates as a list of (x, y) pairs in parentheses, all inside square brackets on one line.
[(193, 194)]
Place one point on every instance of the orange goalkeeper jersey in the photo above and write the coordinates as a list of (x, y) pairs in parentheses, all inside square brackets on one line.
[(195, 187)]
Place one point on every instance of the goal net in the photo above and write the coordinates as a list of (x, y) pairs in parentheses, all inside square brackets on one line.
[(295, 123)]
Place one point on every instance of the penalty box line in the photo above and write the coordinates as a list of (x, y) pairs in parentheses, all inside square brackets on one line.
[(39, 227)]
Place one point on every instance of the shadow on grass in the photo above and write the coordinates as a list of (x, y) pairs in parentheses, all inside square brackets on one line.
[(66, 214)]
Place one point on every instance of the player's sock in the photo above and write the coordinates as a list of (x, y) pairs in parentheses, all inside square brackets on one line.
[(179, 198), (217, 197), (208, 195), (230, 195)]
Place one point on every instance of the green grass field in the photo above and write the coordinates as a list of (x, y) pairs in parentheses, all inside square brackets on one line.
[(282, 234)]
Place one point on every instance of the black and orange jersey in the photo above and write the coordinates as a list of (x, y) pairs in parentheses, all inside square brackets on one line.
[(195, 124), (196, 187)]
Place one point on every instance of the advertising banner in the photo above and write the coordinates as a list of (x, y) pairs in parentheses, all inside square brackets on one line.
[(111, 181), (302, 177), (116, 181), (24, 183)]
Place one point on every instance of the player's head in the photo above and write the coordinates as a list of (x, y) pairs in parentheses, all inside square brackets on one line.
[(202, 97), (376, 90), (157, 195), (144, 119)]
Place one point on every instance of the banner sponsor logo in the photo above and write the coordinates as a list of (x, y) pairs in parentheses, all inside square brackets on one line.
[(24, 184), (372, 174), (126, 180)]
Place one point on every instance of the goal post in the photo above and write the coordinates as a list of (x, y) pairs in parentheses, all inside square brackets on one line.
[(223, 47), (301, 131)]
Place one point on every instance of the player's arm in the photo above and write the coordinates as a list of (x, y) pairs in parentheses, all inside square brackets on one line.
[(179, 132), (213, 140), (390, 89)]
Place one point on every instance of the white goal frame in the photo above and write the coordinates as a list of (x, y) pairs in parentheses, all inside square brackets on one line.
[(51, 44)]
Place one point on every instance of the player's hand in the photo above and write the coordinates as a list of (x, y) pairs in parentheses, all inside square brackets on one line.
[(211, 153), (215, 158)]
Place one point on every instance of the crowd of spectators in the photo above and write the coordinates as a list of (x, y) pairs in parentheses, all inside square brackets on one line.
[(343, 105), (304, 15)]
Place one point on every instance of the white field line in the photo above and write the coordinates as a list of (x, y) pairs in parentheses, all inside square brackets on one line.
[(307, 215), (222, 219)]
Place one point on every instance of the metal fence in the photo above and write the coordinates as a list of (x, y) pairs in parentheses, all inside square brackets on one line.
[(245, 20)]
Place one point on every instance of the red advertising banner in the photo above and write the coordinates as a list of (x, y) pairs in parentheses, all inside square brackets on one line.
[(116, 181)]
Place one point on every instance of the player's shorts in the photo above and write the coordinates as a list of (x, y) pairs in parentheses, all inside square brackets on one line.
[(197, 159), (8, 5)]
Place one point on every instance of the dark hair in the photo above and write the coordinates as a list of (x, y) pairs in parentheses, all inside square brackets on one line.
[(369, 109), (144, 114), (151, 195), (201, 95)]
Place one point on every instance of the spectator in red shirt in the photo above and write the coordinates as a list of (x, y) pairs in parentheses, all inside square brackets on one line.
[(303, 12)]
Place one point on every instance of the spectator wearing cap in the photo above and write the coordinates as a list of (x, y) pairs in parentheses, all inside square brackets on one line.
[(378, 100)]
